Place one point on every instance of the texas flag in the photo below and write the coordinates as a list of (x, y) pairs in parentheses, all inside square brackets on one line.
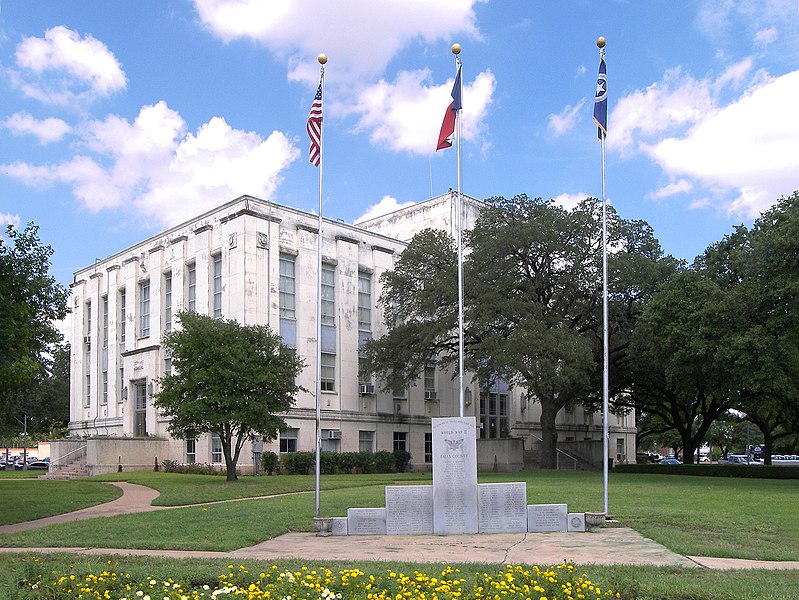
[(448, 126)]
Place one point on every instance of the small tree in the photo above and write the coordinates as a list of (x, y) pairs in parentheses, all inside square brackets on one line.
[(230, 380)]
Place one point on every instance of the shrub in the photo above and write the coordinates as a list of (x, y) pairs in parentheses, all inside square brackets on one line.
[(270, 462), (383, 461), (328, 462), (402, 458), (753, 471), (172, 466), (299, 463)]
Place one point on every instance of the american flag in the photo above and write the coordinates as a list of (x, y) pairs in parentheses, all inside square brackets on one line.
[(314, 128)]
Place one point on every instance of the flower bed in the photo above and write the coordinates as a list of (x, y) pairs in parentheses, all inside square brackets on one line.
[(559, 582)]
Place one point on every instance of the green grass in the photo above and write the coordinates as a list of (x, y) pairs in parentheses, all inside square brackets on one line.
[(640, 582), (14, 474), (29, 499), (179, 490), (705, 516)]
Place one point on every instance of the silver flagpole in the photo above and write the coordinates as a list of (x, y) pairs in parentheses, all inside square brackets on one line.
[(456, 50), (605, 346), (322, 60)]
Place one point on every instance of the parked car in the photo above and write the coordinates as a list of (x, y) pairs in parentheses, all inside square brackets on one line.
[(738, 459), (36, 464), (670, 461)]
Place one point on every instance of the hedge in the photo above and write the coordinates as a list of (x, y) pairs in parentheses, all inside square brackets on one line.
[(303, 463), (748, 471)]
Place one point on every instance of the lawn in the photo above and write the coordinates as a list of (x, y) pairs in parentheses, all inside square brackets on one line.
[(29, 499)]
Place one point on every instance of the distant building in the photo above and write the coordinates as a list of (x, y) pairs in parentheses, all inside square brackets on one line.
[(256, 262)]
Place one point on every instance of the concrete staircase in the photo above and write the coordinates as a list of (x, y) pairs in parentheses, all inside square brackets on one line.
[(71, 470)]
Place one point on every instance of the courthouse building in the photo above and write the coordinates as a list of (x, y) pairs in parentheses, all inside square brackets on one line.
[(256, 262)]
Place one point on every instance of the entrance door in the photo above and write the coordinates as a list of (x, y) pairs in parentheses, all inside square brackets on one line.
[(140, 410)]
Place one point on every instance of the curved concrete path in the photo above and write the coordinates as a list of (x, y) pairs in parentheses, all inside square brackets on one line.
[(610, 545)]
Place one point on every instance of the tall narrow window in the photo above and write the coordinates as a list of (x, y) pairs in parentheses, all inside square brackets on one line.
[(428, 447), (144, 308), (88, 399), (122, 320), (167, 296), (494, 415), (191, 450), (105, 321), (191, 287), (122, 394), (328, 295), (364, 301), (328, 381), (105, 388), (287, 283), (87, 344), (429, 378), (87, 339), (216, 449), (217, 285)]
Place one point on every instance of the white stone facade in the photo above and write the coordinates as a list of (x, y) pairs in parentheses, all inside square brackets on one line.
[(237, 262)]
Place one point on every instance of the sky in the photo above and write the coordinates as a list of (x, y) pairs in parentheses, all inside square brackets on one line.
[(121, 119)]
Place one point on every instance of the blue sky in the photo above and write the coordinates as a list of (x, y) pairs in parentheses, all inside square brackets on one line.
[(121, 119)]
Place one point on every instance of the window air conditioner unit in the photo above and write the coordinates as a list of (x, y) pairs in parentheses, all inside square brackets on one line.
[(430, 395), (334, 434), (87, 339), (366, 389)]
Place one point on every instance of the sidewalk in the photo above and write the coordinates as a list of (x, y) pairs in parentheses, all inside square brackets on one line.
[(611, 545)]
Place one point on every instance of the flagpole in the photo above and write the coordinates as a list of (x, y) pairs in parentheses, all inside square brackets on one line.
[(456, 50), (605, 345), (322, 60)]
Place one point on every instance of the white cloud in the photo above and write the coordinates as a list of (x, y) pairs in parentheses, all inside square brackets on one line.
[(569, 201), (566, 119), (766, 36), (164, 172), (406, 115), (45, 130), (747, 150), (62, 68), (8, 219), (387, 204), (359, 36), (681, 186)]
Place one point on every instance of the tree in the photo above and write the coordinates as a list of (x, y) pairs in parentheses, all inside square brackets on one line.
[(43, 402), (30, 301), (533, 297), (230, 380)]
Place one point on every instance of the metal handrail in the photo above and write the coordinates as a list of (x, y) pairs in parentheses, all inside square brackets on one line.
[(559, 452), (70, 453)]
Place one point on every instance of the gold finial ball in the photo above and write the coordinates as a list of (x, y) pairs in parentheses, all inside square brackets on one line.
[(600, 42), (322, 58), (456, 49)]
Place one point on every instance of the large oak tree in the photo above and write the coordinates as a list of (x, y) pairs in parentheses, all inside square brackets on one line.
[(229, 380)]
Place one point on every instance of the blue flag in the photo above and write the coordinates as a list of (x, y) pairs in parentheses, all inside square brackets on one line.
[(601, 101)]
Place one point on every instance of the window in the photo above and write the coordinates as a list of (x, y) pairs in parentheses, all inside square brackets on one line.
[(366, 441), (140, 410), (364, 301), (287, 282), (288, 440), (620, 453), (122, 319), (191, 287), (217, 285), (105, 388), (121, 385), (494, 415), (363, 378), (105, 321), (88, 322), (328, 295), (400, 441), (87, 401), (328, 381), (331, 440), (430, 378), (191, 450), (167, 296), (216, 449), (428, 447), (167, 365), (144, 308)]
